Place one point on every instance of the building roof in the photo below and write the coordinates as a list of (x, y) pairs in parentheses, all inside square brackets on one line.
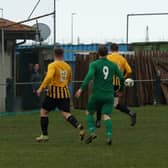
[(13, 26), (14, 30)]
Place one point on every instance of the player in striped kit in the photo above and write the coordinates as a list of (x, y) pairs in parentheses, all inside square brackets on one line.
[(57, 80)]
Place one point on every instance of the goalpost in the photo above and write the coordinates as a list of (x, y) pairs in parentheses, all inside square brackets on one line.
[(136, 15)]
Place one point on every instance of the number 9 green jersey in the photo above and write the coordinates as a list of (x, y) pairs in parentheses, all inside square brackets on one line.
[(101, 72)]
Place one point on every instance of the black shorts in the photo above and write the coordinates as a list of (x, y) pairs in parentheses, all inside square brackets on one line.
[(116, 88), (62, 104)]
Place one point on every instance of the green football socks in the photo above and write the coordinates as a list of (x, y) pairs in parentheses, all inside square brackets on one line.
[(90, 123), (108, 126)]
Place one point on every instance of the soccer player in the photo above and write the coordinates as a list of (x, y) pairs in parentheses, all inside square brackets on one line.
[(125, 68), (102, 97), (57, 80)]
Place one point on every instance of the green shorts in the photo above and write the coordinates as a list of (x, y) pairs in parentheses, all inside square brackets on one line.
[(101, 103)]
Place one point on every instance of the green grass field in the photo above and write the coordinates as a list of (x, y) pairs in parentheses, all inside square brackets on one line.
[(144, 146)]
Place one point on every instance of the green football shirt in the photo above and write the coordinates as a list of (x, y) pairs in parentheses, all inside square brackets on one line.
[(102, 72)]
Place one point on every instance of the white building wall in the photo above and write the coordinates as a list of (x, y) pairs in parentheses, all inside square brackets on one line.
[(5, 72)]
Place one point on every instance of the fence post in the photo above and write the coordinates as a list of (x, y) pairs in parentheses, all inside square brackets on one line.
[(157, 88), (9, 95)]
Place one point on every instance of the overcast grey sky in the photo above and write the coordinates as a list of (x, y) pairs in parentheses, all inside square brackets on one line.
[(96, 20)]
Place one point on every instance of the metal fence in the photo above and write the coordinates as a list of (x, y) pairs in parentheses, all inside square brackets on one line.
[(150, 72), (24, 99)]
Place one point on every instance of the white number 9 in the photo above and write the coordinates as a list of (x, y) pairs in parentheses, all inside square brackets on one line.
[(105, 72)]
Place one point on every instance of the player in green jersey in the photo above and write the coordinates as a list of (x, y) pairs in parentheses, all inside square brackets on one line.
[(102, 97)]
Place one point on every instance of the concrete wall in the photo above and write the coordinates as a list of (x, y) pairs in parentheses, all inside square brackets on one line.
[(5, 72)]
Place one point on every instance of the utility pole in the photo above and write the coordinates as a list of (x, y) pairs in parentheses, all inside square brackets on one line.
[(78, 40), (147, 34), (2, 40), (1, 12), (3, 45), (54, 22)]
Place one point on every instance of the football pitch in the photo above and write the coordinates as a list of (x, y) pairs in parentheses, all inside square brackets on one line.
[(144, 146)]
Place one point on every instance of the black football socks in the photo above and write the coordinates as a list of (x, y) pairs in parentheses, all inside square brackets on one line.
[(74, 122), (124, 109), (44, 125), (98, 116)]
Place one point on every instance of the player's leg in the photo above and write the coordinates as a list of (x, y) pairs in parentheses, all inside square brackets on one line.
[(47, 106), (108, 125), (92, 107), (91, 127), (107, 110), (74, 122), (64, 106), (98, 119), (126, 110), (44, 126)]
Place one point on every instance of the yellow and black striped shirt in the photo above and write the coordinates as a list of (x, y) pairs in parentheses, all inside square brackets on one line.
[(116, 81), (122, 64), (58, 92), (57, 79)]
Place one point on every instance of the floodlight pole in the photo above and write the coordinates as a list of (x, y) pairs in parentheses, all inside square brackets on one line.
[(72, 26), (139, 14)]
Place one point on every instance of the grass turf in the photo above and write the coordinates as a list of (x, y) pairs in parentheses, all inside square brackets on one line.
[(144, 146)]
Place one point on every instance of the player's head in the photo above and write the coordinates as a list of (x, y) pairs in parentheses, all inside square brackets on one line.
[(102, 51), (58, 54), (114, 47)]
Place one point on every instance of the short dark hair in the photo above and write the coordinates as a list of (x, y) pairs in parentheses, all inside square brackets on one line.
[(59, 52), (114, 47), (102, 51)]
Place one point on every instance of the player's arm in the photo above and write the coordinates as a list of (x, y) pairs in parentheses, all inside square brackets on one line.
[(87, 79), (48, 78), (121, 78), (128, 70)]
